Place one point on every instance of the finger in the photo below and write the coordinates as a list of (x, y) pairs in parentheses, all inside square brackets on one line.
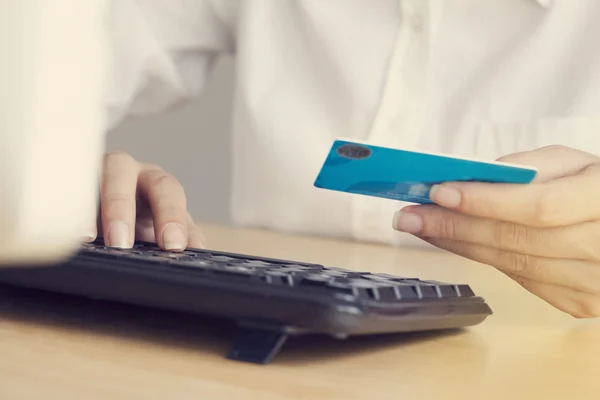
[(552, 162), (196, 238), (144, 230), (564, 201), (562, 242), (167, 202), (117, 204), (574, 302), (92, 233), (578, 275), (144, 224)]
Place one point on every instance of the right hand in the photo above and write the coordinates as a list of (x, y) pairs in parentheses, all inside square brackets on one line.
[(141, 201)]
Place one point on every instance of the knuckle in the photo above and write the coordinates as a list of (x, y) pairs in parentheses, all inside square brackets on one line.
[(161, 179), (167, 193), (118, 198), (521, 264), (587, 308), (171, 211), (509, 235), (448, 227)]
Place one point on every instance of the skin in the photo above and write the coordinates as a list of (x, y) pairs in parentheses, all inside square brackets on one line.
[(144, 202), (543, 235)]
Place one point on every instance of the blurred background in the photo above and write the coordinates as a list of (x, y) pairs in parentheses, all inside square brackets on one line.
[(197, 138)]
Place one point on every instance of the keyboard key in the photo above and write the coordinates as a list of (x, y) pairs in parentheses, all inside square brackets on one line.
[(407, 292), (464, 290), (362, 283), (194, 263), (148, 248), (386, 293), (296, 267), (427, 291), (347, 271), (381, 279), (340, 274), (239, 268), (233, 272), (345, 286), (195, 254), (224, 259), (258, 263), (410, 281), (278, 278), (364, 288), (447, 291), (315, 280), (300, 270), (341, 287), (296, 273), (275, 280), (170, 256), (148, 257), (112, 252)]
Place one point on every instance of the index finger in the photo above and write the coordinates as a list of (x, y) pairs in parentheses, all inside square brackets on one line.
[(564, 201)]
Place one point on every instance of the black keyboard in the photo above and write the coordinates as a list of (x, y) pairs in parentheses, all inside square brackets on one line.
[(271, 299)]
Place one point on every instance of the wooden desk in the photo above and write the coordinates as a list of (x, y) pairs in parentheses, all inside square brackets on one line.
[(57, 349)]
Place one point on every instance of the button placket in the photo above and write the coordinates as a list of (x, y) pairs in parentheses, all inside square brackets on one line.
[(400, 119)]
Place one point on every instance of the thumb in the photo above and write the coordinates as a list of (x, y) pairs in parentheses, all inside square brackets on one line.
[(552, 162)]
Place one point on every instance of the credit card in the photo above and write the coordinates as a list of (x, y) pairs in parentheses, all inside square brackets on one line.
[(407, 175)]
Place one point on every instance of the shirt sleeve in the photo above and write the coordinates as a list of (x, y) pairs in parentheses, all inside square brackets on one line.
[(161, 51)]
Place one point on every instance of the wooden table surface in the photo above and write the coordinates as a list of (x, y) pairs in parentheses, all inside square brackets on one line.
[(54, 348)]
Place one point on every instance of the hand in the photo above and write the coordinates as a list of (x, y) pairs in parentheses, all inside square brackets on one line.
[(143, 202), (545, 235)]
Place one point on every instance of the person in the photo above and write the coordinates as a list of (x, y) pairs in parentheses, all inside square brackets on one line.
[(517, 81)]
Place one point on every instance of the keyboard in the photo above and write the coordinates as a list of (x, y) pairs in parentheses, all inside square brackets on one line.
[(271, 299)]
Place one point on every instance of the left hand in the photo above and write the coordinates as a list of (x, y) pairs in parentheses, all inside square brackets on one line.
[(545, 235), (140, 201)]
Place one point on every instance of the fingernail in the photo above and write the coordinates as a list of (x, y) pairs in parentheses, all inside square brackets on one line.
[(118, 235), (407, 222), (445, 196), (90, 236), (173, 237)]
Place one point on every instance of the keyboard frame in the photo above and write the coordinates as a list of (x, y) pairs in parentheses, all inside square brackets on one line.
[(269, 313)]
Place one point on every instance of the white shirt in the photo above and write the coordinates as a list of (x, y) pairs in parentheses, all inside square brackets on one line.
[(478, 78)]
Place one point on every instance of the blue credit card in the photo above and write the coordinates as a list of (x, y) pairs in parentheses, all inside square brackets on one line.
[(404, 175)]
